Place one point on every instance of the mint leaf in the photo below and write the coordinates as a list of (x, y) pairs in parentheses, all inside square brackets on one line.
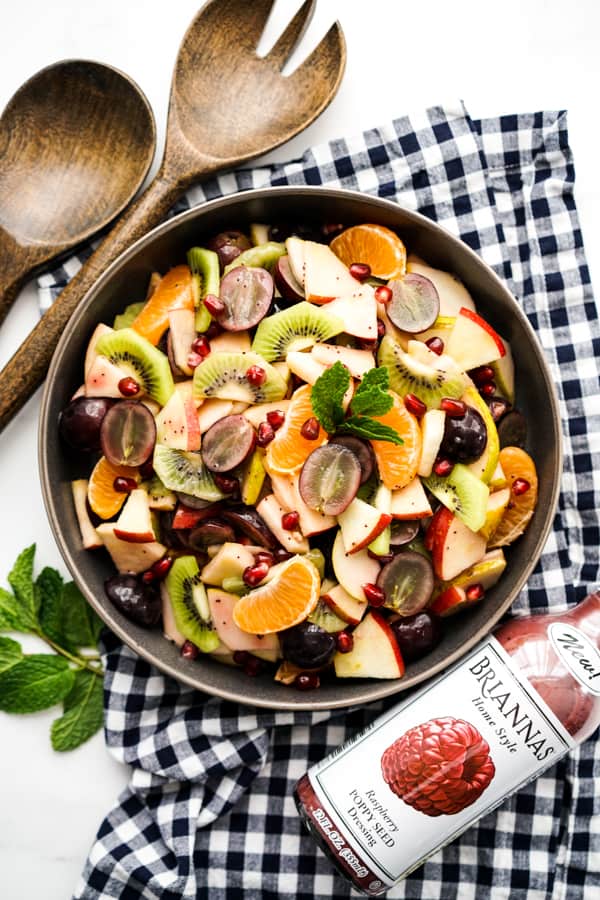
[(83, 713), (80, 624), (13, 617), (371, 396), (21, 581), (371, 429), (49, 587), (10, 654), (327, 395), (38, 681)]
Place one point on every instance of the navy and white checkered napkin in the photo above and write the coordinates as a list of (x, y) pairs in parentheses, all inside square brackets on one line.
[(209, 810)]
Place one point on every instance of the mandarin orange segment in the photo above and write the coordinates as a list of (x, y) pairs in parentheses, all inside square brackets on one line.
[(521, 476), (174, 291), (102, 497), (285, 601), (288, 450), (398, 463), (375, 245)]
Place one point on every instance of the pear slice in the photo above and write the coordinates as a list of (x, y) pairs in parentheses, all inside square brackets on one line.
[(497, 503)]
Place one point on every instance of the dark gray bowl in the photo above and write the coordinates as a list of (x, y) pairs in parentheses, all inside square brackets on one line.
[(126, 281)]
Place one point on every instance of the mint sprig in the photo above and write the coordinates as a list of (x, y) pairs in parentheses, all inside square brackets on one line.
[(57, 614), (371, 398)]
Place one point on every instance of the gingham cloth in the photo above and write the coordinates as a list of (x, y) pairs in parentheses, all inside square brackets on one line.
[(209, 811)]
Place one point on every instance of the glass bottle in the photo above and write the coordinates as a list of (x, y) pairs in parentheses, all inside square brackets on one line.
[(422, 773)]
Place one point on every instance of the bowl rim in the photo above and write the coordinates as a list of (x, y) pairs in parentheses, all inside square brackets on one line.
[(373, 689)]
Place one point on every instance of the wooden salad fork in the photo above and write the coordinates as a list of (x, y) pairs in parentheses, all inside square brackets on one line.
[(227, 105)]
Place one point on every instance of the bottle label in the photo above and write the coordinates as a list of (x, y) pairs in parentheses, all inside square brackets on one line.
[(578, 654), (422, 773)]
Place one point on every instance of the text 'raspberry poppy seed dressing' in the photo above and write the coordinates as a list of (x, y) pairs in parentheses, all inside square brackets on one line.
[(429, 768)]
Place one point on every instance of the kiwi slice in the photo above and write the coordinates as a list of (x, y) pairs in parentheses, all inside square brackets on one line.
[(264, 255), (149, 367), (411, 376), (190, 604), (224, 375), (295, 328), (204, 265), (131, 312), (462, 493), (182, 470), (323, 616)]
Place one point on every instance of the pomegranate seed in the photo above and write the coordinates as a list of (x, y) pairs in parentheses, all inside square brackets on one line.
[(310, 429), (276, 418), (415, 406), (383, 294), (241, 657), (520, 486), (194, 360), (147, 470), (161, 568), (488, 389), (256, 375), (213, 305), (474, 592), (380, 557), (282, 555), (374, 594), (344, 642), (264, 556), (253, 667), (360, 271), (227, 483), (128, 386), (456, 409), (148, 576), (254, 574), (290, 520), (482, 374), (124, 485), (189, 650), (380, 329), (201, 346), (265, 434), (307, 681), (443, 466), (436, 345)]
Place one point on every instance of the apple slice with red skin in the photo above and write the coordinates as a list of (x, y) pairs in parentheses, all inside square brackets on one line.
[(185, 517), (285, 488), (343, 605), (454, 547), (358, 312), (129, 557), (230, 561), (177, 423), (358, 362), (103, 377), (375, 652), (352, 570), (271, 511), (454, 599), (182, 333), (134, 525), (360, 523), (410, 502), (295, 247), (305, 366), (221, 606), (472, 342), (90, 353)]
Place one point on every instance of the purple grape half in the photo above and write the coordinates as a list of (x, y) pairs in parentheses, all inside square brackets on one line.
[(361, 449), (287, 284), (247, 292), (329, 479), (227, 443), (128, 433), (415, 303), (407, 582), (79, 423)]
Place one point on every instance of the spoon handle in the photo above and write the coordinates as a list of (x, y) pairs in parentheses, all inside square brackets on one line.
[(26, 370), (16, 262)]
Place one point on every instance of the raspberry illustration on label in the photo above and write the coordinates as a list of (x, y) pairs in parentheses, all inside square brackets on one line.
[(439, 767)]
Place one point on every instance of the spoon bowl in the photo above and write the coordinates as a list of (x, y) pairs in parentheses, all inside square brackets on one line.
[(76, 142)]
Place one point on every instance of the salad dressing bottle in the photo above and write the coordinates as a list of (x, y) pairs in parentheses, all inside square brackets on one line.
[(430, 767)]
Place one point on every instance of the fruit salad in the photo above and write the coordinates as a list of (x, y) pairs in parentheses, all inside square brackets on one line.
[(304, 453)]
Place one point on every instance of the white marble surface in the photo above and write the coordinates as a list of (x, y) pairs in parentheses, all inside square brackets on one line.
[(499, 57)]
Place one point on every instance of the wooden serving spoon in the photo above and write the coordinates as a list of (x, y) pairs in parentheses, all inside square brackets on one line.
[(227, 105), (76, 142)]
